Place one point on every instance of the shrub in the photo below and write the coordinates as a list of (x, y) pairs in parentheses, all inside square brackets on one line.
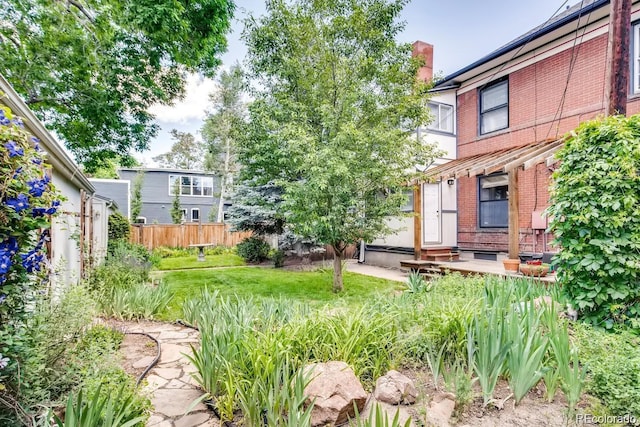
[(277, 256), (119, 228), (595, 221), (253, 249)]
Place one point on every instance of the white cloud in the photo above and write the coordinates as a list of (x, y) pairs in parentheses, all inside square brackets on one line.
[(193, 105)]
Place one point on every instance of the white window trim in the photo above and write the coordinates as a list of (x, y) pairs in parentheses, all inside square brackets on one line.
[(191, 185), (195, 210), (437, 120), (501, 106)]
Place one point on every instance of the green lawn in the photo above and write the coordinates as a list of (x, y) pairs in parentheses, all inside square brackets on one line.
[(313, 287), (188, 262)]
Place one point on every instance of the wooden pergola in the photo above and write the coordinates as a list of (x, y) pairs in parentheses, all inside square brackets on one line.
[(507, 160)]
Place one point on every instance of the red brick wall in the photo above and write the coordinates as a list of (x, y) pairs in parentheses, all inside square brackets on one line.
[(537, 111)]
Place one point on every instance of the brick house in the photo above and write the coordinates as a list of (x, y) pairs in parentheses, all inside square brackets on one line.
[(513, 107)]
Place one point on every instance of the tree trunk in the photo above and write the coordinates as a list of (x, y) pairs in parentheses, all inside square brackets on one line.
[(224, 182), (337, 269)]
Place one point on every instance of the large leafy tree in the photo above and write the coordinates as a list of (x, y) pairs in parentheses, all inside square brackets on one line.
[(220, 130), (185, 153), (92, 68), (337, 99)]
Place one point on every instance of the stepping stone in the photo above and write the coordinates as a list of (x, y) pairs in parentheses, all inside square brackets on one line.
[(171, 404), (168, 373), (144, 362), (192, 420), (172, 352), (172, 335)]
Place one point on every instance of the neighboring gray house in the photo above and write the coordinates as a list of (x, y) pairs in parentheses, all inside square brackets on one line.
[(199, 193), (114, 189)]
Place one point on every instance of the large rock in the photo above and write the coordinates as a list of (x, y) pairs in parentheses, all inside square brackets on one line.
[(335, 389), (395, 388), (441, 410)]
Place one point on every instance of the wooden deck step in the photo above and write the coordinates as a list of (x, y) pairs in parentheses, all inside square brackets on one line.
[(451, 256)]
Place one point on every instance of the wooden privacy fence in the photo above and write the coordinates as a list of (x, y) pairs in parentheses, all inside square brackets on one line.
[(183, 235)]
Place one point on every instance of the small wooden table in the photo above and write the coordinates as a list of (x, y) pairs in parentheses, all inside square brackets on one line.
[(201, 247)]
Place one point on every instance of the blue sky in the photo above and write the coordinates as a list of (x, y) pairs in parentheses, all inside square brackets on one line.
[(461, 31)]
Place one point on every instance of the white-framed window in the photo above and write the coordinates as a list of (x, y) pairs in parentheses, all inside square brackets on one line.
[(635, 60), (188, 185), (442, 115), (195, 215), (408, 206), (494, 107), (493, 201)]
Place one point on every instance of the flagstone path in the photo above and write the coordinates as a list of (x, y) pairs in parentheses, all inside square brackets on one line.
[(169, 383)]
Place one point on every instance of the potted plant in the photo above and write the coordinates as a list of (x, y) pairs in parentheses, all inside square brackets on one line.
[(511, 265), (534, 269)]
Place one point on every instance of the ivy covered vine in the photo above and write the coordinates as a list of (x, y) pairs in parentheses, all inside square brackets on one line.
[(595, 217)]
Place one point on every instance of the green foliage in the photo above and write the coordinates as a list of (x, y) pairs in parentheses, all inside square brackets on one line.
[(136, 302), (257, 207), (416, 283), (527, 350), (333, 133), (95, 68), (277, 256), (594, 218), (253, 249), (136, 195), (186, 153), (612, 361), (98, 409), (379, 418), (119, 228)]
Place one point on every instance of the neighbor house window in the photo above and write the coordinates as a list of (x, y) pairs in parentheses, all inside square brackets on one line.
[(493, 201), (635, 59), (494, 107), (191, 185), (442, 117), (195, 215)]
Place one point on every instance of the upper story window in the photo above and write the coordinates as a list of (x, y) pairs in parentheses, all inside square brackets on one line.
[(442, 117), (191, 185), (494, 107), (635, 59)]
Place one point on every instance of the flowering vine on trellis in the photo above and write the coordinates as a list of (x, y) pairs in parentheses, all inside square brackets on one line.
[(28, 199)]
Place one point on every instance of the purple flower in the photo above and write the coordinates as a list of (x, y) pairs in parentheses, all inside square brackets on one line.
[(32, 260), (54, 208), (38, 212), (5, 263), (2, 297), (14, 149), (5, 122), (9, 246), (38, 186), (17, 172), (18, 122), (36, 161), (19, 203)]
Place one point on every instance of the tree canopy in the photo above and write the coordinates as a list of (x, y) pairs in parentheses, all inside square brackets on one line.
[(186, 153), (90, 69), (336, 104), (220, 130)]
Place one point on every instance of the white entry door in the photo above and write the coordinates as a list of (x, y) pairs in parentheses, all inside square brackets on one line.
[(431, 223)]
